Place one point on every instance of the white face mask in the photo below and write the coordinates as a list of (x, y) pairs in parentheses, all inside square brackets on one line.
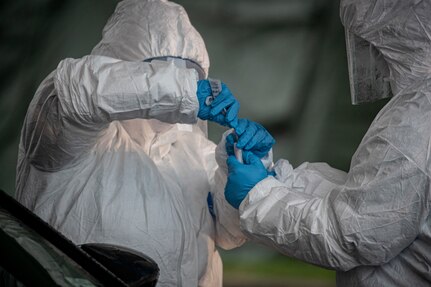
[(368, 71)]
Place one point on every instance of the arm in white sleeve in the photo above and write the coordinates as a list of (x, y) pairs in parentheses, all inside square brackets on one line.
[(97, 89), (78, 101), (326, 217)]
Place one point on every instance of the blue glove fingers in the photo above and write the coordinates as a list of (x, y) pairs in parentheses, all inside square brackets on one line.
[(232, 112), (222, 119), (241, 127), (234, 123), (232, 163), (243, 177), (262, 149), (204, 86), (251, 159), (246, 136), (257, 140), (222, 101), (268, 143), (217, 108), (204, 91)]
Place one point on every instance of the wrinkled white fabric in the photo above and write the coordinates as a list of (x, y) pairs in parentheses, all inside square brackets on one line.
[(110, 150), (373, 223)]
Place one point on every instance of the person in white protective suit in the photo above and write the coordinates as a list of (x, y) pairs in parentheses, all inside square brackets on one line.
[(112, 150), (372, 224)]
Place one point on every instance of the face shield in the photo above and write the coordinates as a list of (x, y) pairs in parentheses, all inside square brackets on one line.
[(368, 71)]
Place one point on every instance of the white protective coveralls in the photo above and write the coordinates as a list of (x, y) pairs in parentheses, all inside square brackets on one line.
[(373, 223), (98, 164)]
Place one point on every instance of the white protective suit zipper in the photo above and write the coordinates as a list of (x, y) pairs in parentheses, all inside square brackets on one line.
[(180, 256)]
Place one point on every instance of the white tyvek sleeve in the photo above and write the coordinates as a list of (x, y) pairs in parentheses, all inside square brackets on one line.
[(77, 102), (97, 89), (327, 217)]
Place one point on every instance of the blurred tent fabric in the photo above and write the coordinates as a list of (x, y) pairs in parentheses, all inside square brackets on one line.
[(284, 59)]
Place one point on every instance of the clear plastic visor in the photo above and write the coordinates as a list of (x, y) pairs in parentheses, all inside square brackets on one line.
[(368, 71)]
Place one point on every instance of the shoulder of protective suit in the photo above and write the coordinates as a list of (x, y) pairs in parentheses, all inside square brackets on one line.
[(405, 124)]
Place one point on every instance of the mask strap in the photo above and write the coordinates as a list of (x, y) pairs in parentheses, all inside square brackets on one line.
[(181, 63)]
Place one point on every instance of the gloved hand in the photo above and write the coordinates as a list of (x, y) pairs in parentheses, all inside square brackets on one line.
[(242, 177), (250, 136), (223, 110)]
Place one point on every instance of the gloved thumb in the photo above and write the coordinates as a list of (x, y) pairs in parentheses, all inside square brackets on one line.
[(251, 159), (204, 84), (204, 88), (232, 162)]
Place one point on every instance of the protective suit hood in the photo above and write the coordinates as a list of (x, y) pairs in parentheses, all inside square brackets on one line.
[(144, 29), (388, 45), (140, 30)]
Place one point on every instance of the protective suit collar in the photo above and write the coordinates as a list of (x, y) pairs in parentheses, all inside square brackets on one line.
[(154, 136)]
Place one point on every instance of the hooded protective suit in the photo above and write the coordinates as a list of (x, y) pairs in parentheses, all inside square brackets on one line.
[(373, 223), (110, 150)]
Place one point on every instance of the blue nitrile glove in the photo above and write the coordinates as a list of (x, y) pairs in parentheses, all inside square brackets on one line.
[(250, 136), (243, 177), (223, 110), (204, 91)]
